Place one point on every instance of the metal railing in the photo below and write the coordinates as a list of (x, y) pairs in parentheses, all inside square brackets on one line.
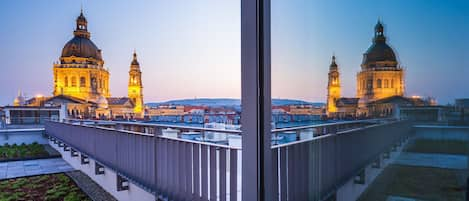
[(313, 165), (173, 168), (312, 169)]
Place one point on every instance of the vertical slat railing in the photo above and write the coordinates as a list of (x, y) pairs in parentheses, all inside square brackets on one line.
[(275, 172), (196, 164), (283, 173), (172, 168), (182, 171), (223, 172), (233, 175), (213, 173), (312, 169), (204, 175), (189, 169)]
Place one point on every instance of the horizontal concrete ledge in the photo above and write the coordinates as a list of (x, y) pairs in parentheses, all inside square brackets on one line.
[(29, 158), (21, 130), (441, 126)]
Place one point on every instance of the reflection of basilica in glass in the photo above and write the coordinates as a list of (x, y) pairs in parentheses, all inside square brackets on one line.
[(81, 82), (380, 84)]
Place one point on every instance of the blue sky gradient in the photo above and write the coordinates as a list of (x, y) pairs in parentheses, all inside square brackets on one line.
[(191, 49)]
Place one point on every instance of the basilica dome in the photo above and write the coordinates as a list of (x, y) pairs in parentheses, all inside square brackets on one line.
[(379, 51), (81, 47)]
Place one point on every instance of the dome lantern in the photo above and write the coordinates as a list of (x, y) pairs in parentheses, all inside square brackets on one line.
[(379, 33), (82, 26)]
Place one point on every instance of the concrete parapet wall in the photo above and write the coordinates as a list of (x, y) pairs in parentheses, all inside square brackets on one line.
[(19, 136), (108, 180)]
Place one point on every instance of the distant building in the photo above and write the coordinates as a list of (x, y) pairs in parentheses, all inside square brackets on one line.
[(380, 84), (28, 115), (135, 89), (80, 70), (462, 104), (166, 110), (19, 100), (390, 106), (81, 82), (346, 108), (122, 108), (380, 75)]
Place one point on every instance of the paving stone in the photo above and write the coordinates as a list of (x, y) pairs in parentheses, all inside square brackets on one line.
[(34, 172), (30, 163), (33, 167), (92, 189), (15, 163)]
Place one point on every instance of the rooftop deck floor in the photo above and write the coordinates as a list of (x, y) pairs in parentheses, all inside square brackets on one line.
[(427, 169), (16, 169)]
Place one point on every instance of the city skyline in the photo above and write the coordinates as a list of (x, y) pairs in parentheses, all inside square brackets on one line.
[(430, 49)]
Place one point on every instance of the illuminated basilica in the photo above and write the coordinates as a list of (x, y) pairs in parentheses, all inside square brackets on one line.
[(380, 75), (380, 84), (81, 82), (80, 72)]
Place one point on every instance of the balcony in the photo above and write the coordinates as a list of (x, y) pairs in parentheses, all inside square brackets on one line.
[(313, 167)]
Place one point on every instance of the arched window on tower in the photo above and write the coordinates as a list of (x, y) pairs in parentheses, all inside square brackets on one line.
[(378, 83), (74, 81), (66, 81), (392, 83), (82, 82), (386, 83)]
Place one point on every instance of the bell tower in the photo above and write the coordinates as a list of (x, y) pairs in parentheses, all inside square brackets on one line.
[(135, 89), (333, 88)]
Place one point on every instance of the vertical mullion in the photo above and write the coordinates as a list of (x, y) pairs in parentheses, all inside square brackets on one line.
[(256, 100)]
